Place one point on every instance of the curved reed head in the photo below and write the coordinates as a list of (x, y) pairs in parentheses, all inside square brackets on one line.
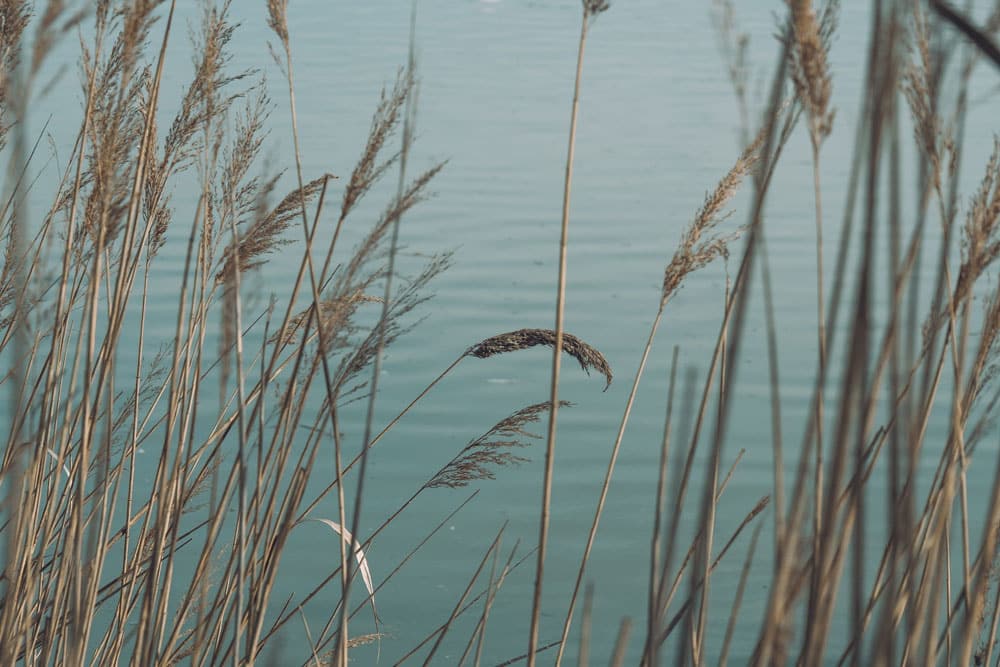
[(588, 356)]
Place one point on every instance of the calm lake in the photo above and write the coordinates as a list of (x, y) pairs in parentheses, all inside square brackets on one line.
[(658, 127)]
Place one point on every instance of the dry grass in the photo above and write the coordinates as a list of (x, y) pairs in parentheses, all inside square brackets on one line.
[(91, 558), (99, 567)]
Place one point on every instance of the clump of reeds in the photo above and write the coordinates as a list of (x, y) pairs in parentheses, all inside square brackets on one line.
[(921, 83), (90, 574), (91, 570), (700, 245)]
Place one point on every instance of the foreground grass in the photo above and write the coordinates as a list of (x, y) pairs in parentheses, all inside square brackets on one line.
[(241, 403)]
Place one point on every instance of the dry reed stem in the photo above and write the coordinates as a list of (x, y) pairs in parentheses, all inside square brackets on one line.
[(732, 336), (664, 596), (692, 254), (651, 653), (621, 643), (494, 549), (383, 325), (462, 606), (590, 7), (278, 22), (698, 584), (479, 632), (980, 38), (811, 77), (738, 597)]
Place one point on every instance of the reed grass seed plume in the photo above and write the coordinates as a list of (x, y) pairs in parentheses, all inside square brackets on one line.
[(589, 358), (811, 69), (700, 245), (493, 449)]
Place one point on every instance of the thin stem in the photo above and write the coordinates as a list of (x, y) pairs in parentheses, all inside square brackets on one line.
[(550, 443), (382, 323), (821, 368), (605, 486)]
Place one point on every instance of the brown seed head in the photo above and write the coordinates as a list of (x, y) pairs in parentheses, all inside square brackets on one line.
[(277, 19), (811, 69), (699, 247), (588, 357), (491, 450)]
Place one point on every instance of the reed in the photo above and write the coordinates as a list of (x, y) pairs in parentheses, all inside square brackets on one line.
[(91, 559), (590, 10), (243, 404)]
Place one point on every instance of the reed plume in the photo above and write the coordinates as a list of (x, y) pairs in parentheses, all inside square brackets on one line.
[(14, 17), (385, 121), (592, 8), (700, 245), (587, 356), (920, 85), (735, 45), (264, 234), (334, 315), (811, 68), (980, 244), (491, 450)]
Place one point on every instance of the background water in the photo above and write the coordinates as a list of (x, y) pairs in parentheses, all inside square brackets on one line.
[(658, 128)]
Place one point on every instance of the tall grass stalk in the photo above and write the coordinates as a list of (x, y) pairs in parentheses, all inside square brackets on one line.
[(590, 8)]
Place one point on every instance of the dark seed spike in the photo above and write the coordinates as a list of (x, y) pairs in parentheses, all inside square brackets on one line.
[(588, 357)]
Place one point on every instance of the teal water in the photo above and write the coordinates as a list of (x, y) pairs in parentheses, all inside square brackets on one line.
[(658, 128)]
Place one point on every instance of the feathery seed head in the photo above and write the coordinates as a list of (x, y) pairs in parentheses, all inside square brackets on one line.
[(492, 449), (522, 339), (695, 250), (277, 19), (811, 69)]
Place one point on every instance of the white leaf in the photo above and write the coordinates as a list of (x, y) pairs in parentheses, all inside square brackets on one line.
[(56, 457), (366, 573)]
